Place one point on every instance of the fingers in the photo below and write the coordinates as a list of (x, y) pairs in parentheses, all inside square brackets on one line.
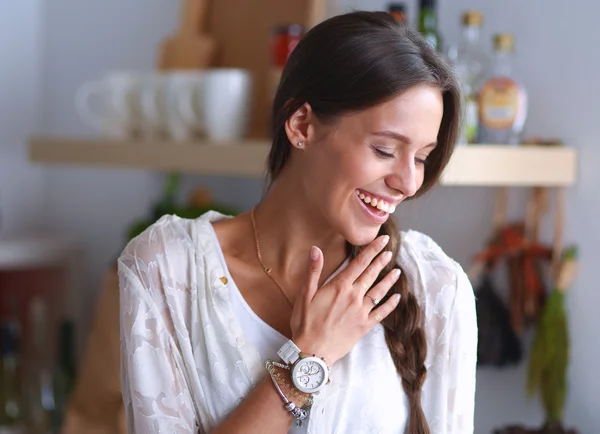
[(379, 314), (369, 276), (379, 291), (364, 258), (315, 266)]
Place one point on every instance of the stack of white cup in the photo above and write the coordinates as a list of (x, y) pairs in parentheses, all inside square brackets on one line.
[(212, 104)]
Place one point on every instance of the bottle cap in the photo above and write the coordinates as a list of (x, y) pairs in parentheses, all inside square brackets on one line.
[(427, 4), (397, 7), (472, 18), (503, 42)]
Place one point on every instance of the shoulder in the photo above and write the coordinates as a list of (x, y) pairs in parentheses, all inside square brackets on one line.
[(437, 280), (167, 249), (169, 234)]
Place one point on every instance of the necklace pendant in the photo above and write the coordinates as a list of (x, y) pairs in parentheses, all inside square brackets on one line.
[(268, 271)]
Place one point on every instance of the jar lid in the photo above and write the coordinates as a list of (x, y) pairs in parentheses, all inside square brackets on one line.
[(472, 18), (503, 42), (397, 7)]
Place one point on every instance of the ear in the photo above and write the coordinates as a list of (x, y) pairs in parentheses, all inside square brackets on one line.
[(299, 128)]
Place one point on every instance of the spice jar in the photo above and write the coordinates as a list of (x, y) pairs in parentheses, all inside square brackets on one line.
[(284, 40)]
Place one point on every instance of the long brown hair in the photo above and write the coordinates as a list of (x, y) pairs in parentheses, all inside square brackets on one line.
[(352, 62)]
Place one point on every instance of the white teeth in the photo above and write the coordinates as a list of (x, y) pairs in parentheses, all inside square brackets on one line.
[(376, 203)]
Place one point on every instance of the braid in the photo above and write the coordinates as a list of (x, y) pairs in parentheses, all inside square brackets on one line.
[(404, 335)]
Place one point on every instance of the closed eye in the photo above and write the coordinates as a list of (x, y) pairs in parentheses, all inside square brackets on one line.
[(382, 154)]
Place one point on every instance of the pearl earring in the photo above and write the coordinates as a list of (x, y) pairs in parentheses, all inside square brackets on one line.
[(300, 144)]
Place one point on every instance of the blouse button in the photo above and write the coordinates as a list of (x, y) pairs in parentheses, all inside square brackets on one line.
[(241, 342)]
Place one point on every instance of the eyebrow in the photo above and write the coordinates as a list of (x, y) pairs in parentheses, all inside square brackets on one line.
[(400, 137)]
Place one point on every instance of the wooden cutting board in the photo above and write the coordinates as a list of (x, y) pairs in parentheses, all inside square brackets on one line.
[(189, 48)]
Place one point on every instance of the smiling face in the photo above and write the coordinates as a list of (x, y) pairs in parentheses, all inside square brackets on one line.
[(368, 162)]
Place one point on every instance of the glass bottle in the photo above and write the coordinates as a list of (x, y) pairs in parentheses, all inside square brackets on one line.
[(428, 24), (65, 372), (11, 400), (470, 64), (40, 396), (502, 98), (398, 11)]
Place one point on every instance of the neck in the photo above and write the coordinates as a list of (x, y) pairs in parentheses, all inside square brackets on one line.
[(287, 227)]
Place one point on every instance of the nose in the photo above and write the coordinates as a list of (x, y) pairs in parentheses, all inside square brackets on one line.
[(403, 177)]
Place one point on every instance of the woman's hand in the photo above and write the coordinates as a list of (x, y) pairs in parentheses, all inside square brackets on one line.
[(329, 321)]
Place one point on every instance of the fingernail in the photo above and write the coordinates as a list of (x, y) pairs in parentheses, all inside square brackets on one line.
[(387, 255), (385, 240), (314, 253), (396, 273), (396, 297)]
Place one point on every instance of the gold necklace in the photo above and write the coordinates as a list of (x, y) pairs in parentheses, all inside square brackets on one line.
[(268, 271)]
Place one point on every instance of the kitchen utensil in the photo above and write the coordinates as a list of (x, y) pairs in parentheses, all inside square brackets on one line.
[(189, 48), (549, 359)]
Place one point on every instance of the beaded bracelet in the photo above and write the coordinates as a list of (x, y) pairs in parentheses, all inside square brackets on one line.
[(299, 413)]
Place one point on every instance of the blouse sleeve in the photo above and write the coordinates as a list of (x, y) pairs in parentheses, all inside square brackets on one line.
[(155, 396), (462, 335)]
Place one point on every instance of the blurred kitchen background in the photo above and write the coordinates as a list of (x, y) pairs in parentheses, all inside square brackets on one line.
[(62, 225)]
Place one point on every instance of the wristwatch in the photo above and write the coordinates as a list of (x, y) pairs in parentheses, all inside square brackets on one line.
[(309, 373)]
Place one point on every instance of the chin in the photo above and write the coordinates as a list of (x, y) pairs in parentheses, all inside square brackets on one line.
[(362, 235)]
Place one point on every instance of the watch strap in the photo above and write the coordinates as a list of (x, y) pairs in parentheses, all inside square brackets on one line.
[(289, 352)]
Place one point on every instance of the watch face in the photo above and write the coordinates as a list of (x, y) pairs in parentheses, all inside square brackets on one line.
[(309, 374)]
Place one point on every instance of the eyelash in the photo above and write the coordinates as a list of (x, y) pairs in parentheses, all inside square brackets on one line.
[(383, 154)]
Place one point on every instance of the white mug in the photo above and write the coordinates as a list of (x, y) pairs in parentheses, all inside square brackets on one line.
[(185, 107), (111, 105), (226, 103), (152, 96), (171, 105)]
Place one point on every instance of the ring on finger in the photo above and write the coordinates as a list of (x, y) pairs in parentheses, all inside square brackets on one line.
[(373, 299)]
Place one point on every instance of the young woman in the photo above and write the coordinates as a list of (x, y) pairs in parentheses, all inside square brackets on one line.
[(313, 298)]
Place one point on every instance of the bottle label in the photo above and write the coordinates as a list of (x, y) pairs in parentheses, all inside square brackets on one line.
[(471, 121), (499, 103)]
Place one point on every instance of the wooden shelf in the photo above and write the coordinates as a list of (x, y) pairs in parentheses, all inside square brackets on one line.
[(475, 165), (518, 166)]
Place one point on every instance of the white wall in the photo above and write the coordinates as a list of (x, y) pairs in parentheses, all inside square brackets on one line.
[(21, 204), (83, 40)]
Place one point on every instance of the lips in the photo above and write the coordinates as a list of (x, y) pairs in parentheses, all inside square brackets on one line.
[(373, 213), (376, 202)]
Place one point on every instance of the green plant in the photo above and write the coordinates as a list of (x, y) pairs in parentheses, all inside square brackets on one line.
[(167, 204)]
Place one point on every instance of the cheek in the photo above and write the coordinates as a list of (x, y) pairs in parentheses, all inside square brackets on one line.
[(419, 178)]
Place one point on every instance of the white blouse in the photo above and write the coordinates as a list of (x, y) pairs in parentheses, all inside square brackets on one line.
[(187, 360)]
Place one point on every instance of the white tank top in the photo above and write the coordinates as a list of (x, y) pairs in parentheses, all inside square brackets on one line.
[(266, 339)]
